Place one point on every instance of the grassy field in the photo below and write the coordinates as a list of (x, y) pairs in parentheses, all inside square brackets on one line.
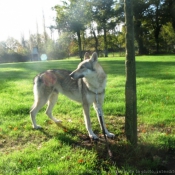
[(55, 150)]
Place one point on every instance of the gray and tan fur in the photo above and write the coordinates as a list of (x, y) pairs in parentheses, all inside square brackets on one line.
[(81, 85)]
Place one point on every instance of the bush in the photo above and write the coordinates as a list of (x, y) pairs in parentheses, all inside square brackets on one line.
[(13, 57)]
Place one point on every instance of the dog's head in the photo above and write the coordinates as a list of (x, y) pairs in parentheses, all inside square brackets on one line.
[(85, 68)]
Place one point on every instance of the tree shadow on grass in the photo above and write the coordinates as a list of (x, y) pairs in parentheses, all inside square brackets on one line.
[(22, 110), (143, 158)]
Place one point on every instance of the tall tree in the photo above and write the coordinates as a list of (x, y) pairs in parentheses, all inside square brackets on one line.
[(93, 31), (12, 44), (139, 8), (44, 29), (171, 11), (130, 86), (167, 36), (72, 17), (104, 15), (156, 17)]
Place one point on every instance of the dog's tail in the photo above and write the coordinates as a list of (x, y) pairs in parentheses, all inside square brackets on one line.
[(43, 83)]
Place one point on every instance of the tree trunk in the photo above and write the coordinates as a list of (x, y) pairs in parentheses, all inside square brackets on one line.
[(139, 38), (105, 43), (130, 86), (96, 41), (156, 35), (79, 45)]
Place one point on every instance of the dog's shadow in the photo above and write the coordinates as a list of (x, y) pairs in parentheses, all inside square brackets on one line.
[(74, 137)]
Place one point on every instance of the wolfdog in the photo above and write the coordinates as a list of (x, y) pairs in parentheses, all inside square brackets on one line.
[(85, 85)]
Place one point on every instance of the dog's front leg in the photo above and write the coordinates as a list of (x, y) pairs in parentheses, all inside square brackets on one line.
[(99, 111), (87, 120)]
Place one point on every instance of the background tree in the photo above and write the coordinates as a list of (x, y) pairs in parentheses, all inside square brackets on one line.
[(149, 18), (167, 36), (121, 40), (72, 17), (24, 49), (156, 17), (139, 8), (93, 31), (170, 10), (104, 15), (64, 44)]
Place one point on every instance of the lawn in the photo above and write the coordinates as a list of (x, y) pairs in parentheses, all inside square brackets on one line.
[(55, 150)]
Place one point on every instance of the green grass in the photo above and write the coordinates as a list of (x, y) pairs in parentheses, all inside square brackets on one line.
[(55, 150)]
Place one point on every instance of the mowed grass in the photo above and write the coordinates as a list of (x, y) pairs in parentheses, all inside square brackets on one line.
[(68, 150)]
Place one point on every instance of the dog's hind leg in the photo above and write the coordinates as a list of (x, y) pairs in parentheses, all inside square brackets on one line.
[(86, 109), (51, 102), (99, 112), (36, 107)]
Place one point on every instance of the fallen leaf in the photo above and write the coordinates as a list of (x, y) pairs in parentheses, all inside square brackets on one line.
[(143, 131), (49, 122), (15, 129), (80, 161), (168, 131), (162, 125), (65, 130), (81, 121)]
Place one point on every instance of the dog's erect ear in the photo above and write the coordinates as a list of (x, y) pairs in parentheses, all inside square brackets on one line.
[(86, 56), (94, 57)]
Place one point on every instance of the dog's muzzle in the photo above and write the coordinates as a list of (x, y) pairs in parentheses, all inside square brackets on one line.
[(74, 76)]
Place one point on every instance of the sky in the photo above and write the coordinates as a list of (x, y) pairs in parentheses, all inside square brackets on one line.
[(18, 17)]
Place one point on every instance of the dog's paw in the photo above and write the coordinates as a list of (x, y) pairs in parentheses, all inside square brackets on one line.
[(93, 137), (110, 135), (37, 127)]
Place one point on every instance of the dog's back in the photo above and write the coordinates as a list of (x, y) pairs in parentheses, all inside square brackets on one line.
[(57, 81)]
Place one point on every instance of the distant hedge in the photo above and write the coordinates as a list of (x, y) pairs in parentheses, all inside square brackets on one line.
[(13, 57)]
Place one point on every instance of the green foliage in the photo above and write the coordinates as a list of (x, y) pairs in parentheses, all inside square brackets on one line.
[(149, 18), (104, 16), (168, 37), (13, 57), (103, 13), (71, 16)]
